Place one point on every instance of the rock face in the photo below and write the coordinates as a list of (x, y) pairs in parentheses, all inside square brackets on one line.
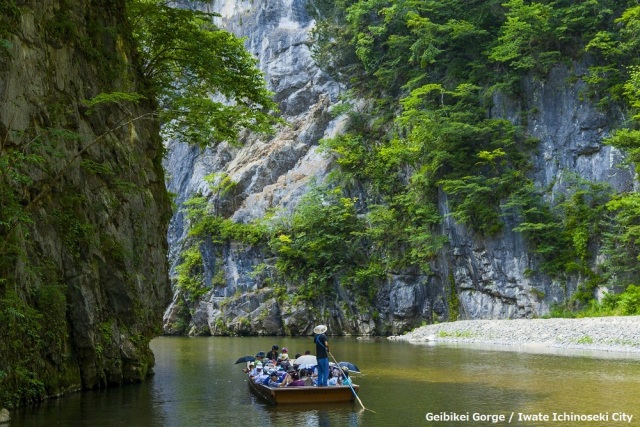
[(482, 277), (492, 275), (88, 276), (268, 172)]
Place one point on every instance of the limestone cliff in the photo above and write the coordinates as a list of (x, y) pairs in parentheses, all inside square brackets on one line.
[(481, 277), (83, 208), (273, 173)]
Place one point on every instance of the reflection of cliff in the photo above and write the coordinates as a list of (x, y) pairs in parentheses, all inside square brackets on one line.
[(83, 273), (491, 276)]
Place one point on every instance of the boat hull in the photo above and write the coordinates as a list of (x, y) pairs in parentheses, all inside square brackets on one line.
[(304, 395)]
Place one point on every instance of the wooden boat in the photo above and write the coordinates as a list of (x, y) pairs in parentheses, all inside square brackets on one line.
[(306, 395)]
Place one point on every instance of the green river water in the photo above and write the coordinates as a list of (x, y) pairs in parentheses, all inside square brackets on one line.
[(402, 384)]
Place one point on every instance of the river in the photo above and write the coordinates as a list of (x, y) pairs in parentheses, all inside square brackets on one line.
[(198, 384)]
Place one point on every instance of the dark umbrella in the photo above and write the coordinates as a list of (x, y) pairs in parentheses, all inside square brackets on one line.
[(350, 366), (245, 359)]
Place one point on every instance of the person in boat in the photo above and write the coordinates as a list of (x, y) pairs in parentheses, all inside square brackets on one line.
[(283, 360), (269, 371), (261, 375), (346, 379), (288, 378), (260, 356), (266, 377), (285, 365), (256, 370), (335, 375), (322, 354), (296, 381), (248, 369), (284, 355), (273, 379), (306, 377), (332, 380), (269, 366), (273, 354)]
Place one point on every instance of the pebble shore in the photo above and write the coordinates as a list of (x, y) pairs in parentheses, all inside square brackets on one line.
[(613, 334)]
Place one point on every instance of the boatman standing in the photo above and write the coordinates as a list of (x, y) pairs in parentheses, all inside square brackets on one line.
[(322, 354)]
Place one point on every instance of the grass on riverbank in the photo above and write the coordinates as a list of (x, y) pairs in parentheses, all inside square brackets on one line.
[(624, 304)]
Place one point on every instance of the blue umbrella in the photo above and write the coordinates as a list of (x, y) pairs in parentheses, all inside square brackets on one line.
[(245, 359), (350, 366)]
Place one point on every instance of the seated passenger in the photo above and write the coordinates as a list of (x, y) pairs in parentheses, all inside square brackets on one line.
[(335, 375), (310, 378), (285, 365), (285, 354), (284, 357), (273, 380), (269, 366), (296, 381), (302, 376), (346, 380), (250, 368), (267, 378), (254, 372), (288, 378), (273, 354), (260, 376)]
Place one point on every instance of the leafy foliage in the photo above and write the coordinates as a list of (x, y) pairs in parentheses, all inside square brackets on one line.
[(626, 303), (206, 83), (622, 241), (429, 133), (32, 366), (566, 233), (320, 243), (430, 69), (206, 88), (435, 65)]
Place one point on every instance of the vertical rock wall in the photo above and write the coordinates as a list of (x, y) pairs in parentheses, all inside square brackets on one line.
[(96, 246), (500, 277), (495, 277), (273, 174)]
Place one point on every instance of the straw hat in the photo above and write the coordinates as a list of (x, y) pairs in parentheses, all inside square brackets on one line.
[(320, 329)]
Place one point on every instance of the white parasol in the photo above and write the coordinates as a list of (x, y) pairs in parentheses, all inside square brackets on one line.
[(306, 360)]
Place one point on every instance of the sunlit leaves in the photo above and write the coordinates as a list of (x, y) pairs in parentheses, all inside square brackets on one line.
[(525, 35), (207, 84)]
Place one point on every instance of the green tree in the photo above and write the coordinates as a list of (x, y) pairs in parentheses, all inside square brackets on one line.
[(622, 244), (526, 37), (206, 83)]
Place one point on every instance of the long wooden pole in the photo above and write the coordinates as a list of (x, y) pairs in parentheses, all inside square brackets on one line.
[(350, 386)]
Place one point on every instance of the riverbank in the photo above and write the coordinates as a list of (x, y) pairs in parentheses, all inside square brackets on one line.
[(615, 334)]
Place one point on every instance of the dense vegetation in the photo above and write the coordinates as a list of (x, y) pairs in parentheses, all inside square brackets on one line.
[(183, 62), (437, 64), (422, 76), (206, 83)]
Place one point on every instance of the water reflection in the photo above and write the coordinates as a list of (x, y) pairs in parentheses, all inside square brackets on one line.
[(198, 384), (318, 416)]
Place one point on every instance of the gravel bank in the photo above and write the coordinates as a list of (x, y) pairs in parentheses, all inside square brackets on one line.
[(617, 334)]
